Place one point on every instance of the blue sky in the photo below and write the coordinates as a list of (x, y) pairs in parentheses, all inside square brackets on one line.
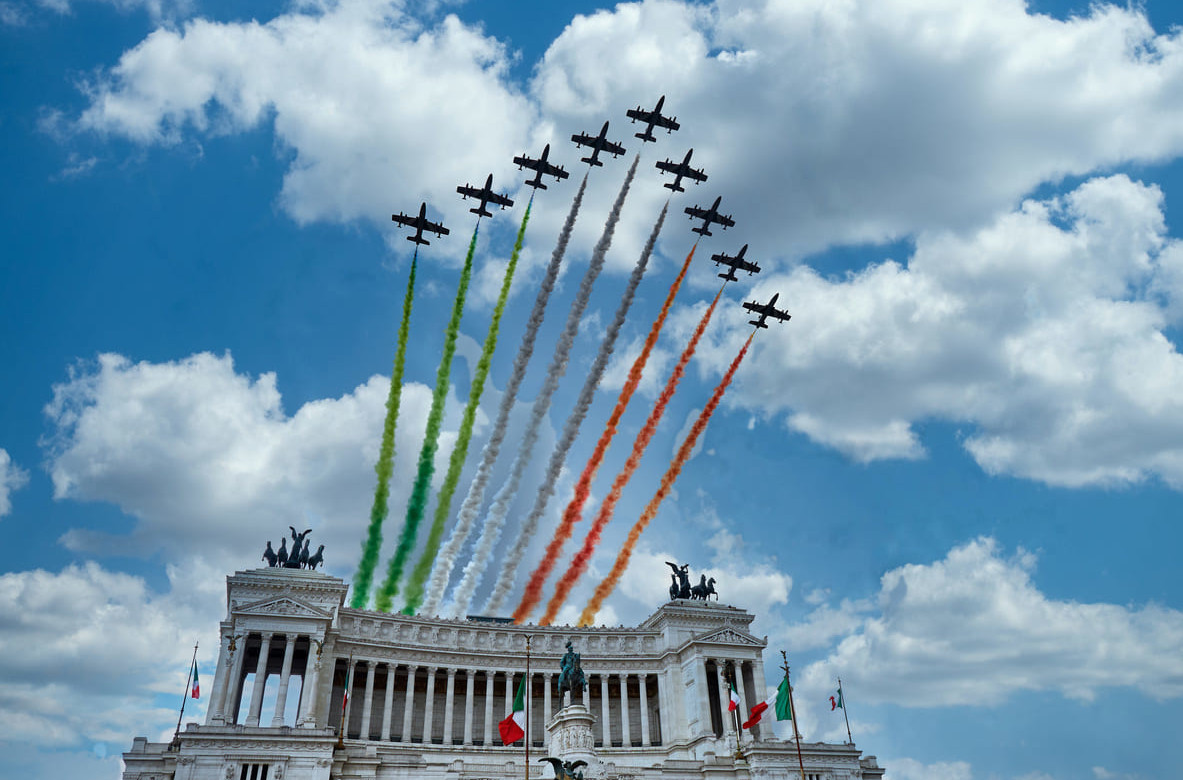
[(952, 479)]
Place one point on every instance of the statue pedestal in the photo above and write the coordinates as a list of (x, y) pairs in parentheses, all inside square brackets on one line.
[(571, 737)]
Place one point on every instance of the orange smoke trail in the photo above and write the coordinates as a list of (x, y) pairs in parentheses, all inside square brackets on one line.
[(583, 557), (605, 588), (533, 592)]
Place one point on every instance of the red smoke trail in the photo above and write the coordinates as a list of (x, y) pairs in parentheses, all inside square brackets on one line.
[(583, 557), (605, 588), (574, 510)]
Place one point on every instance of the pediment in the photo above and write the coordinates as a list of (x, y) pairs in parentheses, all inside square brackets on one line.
[(729, 636), (283, 605)]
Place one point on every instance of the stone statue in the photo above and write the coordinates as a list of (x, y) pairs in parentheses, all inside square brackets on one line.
[(304, 555), (683, 575), (317, 558), (570, 673), (565, 770), (269, 554), (282, 555), (673, 586)]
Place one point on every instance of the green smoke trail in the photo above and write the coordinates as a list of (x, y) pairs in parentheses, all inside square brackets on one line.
[(417, 503), (364, 575), (413, 594)]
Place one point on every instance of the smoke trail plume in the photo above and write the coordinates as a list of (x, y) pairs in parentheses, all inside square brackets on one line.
[(574, 509), (413, 593), (495, 520), (605, 588), (583, 557), (469, 509), (417, 502), (364, 576), (571, 427)]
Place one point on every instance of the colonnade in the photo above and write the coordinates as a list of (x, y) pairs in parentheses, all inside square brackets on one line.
[(300, 658), (439, 705), (717, 676)]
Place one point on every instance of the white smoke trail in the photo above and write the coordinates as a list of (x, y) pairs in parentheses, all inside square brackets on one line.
[(495, 520), (469, 510), (554, 468)]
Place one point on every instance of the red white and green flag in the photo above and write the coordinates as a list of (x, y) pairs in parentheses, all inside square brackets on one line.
[(195, 689), (836, 702), (778, 701), (513, 728), (733, 704)]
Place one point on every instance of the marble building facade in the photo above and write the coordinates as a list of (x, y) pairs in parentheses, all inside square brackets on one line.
[(426, 695)]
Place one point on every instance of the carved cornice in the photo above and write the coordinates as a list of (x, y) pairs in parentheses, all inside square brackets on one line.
[(284, 606)]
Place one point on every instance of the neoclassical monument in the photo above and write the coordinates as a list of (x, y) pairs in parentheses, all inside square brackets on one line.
[(427, 694)]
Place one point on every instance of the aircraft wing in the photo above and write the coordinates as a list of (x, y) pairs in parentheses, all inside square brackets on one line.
[(583, 139), (723, 219), (754, 306), (434, 227), (744, 265), (611, 147), (652, 118), (470, 192), (694, 173), (403, 219), (525, 162), (698, 213), (555, 170), (500, 200), (667, 166)]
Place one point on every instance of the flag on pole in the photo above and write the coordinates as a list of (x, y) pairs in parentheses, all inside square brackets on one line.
[(778, 701), (836, 703), (513, 728), (733, 705), (195, 690)]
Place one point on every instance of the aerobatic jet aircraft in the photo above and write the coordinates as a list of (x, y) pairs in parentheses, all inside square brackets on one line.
[(540, 167), (486, 195), (708, 216), (766, 310), (734, 264), (599, 143), (681, 170), (652, 118), (420, 223)]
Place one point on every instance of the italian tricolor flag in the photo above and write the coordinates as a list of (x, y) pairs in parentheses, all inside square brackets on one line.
[(513, 728), (779, 701), (195, 691), (733, 705)]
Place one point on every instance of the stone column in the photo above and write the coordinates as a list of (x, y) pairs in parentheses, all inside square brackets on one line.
[(409, 703), (367, 703), (643, 679), (308, 692), (744, 704), (489, 675), (508, 692), (213, 713), (469, 692), (547, 712), (586, 693), (724, 697), (388, 703), (625, 728), (260, 679), (285, 676), (704, 702), (605, 710), (429, 705), (234, 684), (449, 708)]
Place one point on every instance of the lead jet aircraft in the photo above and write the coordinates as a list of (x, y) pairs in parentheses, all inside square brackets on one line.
[(486, 195), (540, 166), (681, 170), (599, 143), (708, 216), (652, 118), (420, 223), (766, 310), (734, 264)]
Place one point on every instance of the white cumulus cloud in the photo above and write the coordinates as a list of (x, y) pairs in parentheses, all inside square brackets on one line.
[(973, 629), (12, 478)]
